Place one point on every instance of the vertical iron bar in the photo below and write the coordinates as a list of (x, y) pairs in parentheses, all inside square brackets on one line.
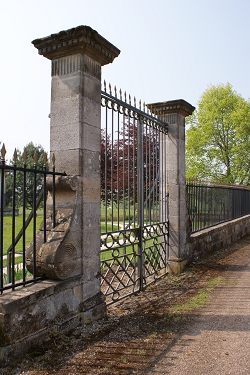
[(34, 222), (1, 222), (44, 204), (118, 170), (24, 218), (128, 167), (146, 172), (112, 169), (159, 178), (107, 155), (123, 172), (13, 228), (134, 135), (140, 200), (54, 194)]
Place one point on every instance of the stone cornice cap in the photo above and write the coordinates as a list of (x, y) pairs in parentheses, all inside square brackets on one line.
[(172, 106), (81, 39)]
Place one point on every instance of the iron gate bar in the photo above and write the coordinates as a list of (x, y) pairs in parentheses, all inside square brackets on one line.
[(134, 238), (111, 102), (213, 203), (11, 282)]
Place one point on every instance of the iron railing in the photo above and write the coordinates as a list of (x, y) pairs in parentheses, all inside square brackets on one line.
[(210, 204), (13, 272), (134, 205)]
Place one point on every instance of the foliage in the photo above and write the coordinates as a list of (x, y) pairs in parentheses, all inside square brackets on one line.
[(35, 158), (217, 140)]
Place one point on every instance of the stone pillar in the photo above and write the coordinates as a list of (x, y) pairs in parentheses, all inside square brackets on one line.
[(75, 131), (174, 113)]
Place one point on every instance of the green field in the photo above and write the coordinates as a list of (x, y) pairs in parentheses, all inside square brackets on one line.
[(7, 231), (105, 227)]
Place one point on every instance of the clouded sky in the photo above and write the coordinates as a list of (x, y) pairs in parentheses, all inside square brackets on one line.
[(170, 49)]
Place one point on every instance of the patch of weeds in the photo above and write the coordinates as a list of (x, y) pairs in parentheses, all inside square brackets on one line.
[(200, 299), (141, 351), (232, 282), (152, 335), (174, 317), (125, 360), (214, 282), (194, 268), (179, 285), (168, 331), (177, 318)]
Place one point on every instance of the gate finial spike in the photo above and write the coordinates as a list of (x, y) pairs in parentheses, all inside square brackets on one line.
[(110, 89), (120, 94), (105, 87), (129, 99), (115, 92), (45, 159), (144, 106), (125, 97), (35, 159), (140, 104), (3, 152), (24, 156), (53, 160), (134, 101), (15, 157)]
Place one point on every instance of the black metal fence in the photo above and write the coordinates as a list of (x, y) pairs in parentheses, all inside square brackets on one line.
[(134, 206), (19, 225), (210, 204)]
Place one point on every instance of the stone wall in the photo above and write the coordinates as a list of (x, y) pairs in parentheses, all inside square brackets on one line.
[(30, 315), (212, 239)]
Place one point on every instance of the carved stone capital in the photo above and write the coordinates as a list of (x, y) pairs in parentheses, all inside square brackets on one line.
[(81, 39), (172, 106)]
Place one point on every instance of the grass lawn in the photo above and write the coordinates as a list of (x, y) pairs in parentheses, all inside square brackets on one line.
[(7, 231)]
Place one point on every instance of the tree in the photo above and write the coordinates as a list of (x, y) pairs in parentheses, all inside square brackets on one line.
[(218, 137), (35, 154), (119, 162)]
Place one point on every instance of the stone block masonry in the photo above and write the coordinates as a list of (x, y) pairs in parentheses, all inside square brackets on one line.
[(30, 313)]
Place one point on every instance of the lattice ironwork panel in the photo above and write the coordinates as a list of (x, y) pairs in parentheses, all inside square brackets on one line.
[(155, 251), (132, 258), (119, 260)]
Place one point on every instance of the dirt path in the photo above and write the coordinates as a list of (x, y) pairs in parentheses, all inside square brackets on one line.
[(149, 334)]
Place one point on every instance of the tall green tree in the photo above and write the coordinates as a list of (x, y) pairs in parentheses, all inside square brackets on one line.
[(218, 137), (34, 158)]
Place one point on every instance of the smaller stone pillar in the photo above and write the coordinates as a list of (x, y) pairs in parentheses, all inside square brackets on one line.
[(174, 113)]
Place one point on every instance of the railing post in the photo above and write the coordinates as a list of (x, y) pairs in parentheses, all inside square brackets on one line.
[(174, 113), (77, 56)]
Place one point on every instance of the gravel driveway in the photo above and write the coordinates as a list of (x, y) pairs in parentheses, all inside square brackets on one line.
[(196, 323)]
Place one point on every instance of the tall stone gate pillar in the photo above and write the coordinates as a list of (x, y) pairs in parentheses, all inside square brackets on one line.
[(75, 131), (174, 112)]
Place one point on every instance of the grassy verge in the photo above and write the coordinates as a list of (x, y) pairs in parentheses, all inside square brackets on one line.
[(199, 300)]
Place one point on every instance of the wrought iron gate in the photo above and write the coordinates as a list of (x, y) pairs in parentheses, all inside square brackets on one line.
[(134, 204)]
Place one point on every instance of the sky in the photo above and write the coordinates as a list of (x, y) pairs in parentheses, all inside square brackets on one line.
[(170, 49)]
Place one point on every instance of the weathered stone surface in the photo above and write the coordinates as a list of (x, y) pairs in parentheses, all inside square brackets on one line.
[(174, 112), (81, 39), (72, 248), (30, 314), (217, 237)]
